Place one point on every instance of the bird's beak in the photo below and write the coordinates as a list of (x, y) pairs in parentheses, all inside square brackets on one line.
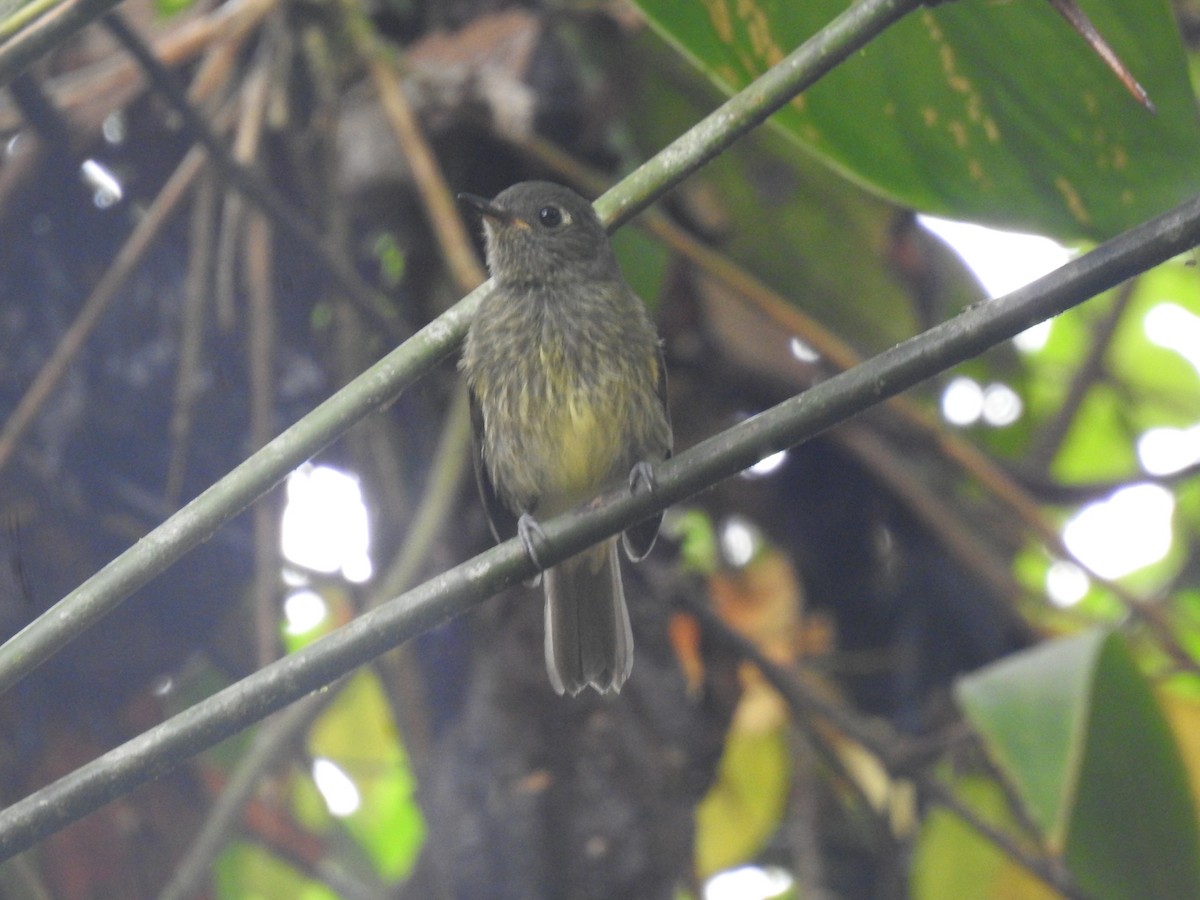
[(486, 208)]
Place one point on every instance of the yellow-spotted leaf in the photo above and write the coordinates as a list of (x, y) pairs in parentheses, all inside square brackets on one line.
[(996, 112)]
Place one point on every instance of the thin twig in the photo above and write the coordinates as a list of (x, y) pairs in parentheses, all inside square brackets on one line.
[(191, 338), (106, 291), (257, 264), (278, 734), (275, 737), (24, 15), (901, 756), (1049, 869), (1078, 20), (437, 500), (435, 194), (805, 700), (249, 183), (90, 92), (49, 32), (1048, 440)]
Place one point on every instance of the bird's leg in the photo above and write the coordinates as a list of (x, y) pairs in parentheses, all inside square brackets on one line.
[(531, 535)]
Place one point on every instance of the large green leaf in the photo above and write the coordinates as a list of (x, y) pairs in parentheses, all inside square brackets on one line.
[(825, 244), (979, 110), (1077, 730)]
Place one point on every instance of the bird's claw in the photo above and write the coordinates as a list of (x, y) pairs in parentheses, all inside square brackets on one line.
[(642, 478), (531, 535)]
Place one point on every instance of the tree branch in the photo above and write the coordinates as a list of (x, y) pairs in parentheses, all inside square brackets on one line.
[(791, 422), (46, 34), (384, 381)]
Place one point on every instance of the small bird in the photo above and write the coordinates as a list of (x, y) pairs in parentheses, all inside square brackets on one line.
[(568, 401)]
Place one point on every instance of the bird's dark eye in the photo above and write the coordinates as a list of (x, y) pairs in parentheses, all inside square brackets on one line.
[(550, 216)]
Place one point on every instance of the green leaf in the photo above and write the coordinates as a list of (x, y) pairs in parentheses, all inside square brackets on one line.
[(358, 735), (1148, 377), (996, 112), (1098, 446), (952, 861), (1077, 730), (643, 262), (1163, 381), (168, 8), (744, 806), (248, 871), (825, 244)]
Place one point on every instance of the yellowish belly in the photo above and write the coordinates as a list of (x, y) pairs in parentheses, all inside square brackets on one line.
[(586, 450)]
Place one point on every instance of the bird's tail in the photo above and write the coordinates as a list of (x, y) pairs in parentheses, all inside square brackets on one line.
[(588, 639)]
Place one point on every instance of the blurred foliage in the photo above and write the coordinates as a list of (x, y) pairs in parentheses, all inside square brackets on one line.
[(246, 870), (937, 115), (358, 735), (1076, 728), (952, 860), (745, 806)]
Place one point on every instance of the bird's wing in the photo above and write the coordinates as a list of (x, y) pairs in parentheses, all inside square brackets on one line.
[(503, 523), (638, 539)]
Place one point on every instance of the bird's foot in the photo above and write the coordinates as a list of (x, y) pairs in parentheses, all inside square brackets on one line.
[(638, 539), (531, 535), (641, 478)]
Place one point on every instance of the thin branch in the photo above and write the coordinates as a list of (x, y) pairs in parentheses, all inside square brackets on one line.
[(25, 14), (248, 182), (276, 736), (278, 733), (900, 755), (257, 268), (1078, 20), (191, 338), (1048, 441), (435, 194), (98, 302), (1049, 869), (437, 500), (453, 592), (971, 459), (114, 80), (806, 700), (384, 381), (49, 32), (260, 347)]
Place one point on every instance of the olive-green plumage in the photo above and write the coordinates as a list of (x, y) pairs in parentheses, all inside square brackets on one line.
[(567, 385)]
